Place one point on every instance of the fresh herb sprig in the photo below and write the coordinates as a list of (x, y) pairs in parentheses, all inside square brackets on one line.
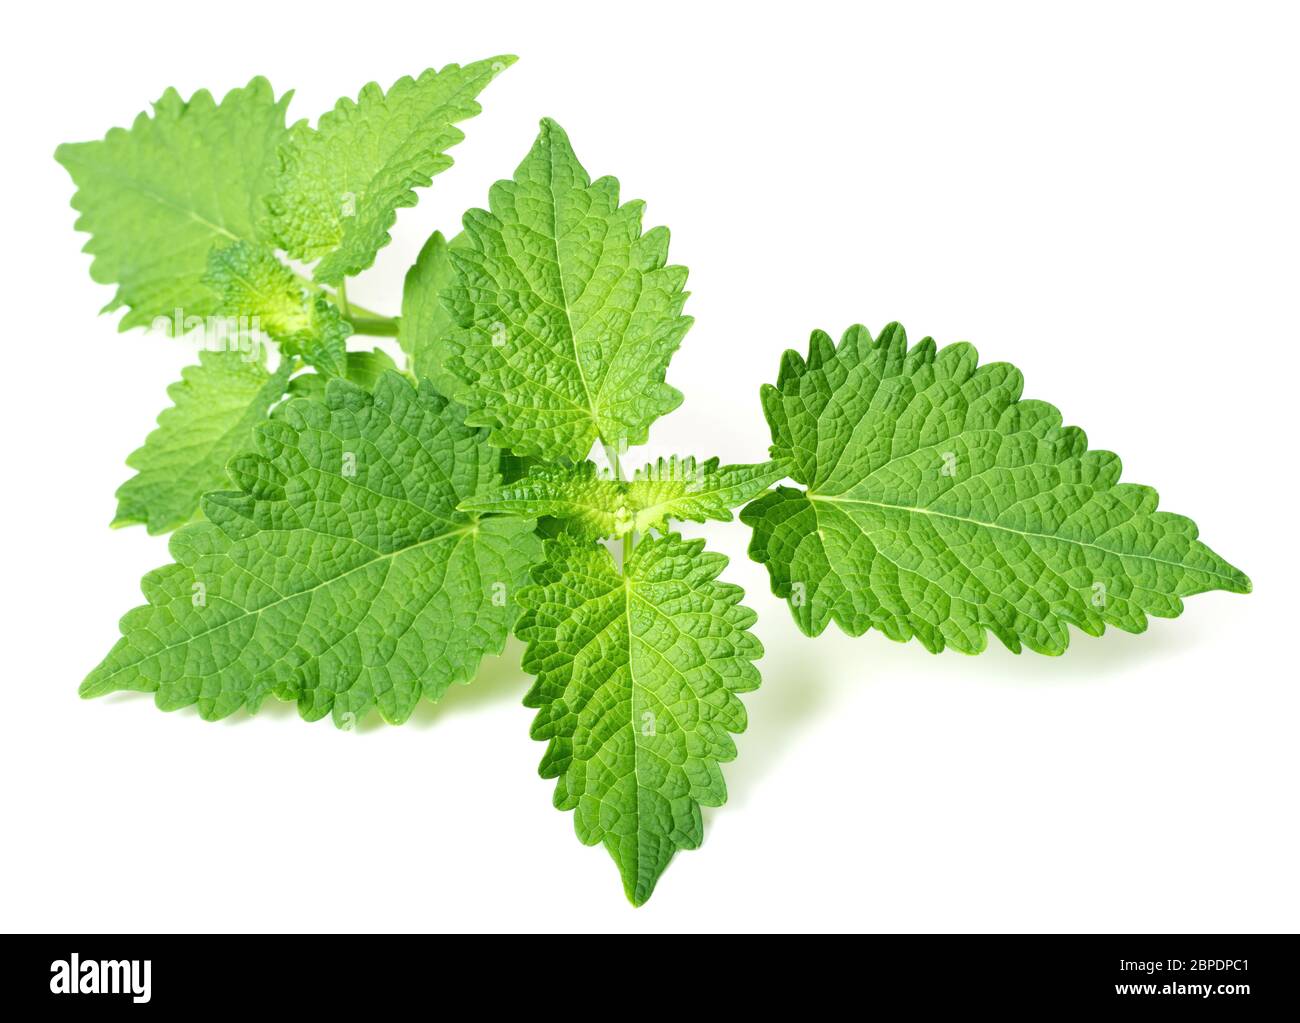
[(355, 536)]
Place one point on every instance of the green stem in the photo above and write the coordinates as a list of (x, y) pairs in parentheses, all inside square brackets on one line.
[(311, 286), (374, 326), (615, 460), (340, 299), (343, 299), (367, 314)]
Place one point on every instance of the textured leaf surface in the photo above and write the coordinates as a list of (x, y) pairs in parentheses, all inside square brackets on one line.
[(340, 184), (158, 197), (567, 313), (637, 676), (261, 293), (425, 321), (216, 406), (250, 281), (365, 369), (941, 505), (595, 505), (339, 575), (324, 343)]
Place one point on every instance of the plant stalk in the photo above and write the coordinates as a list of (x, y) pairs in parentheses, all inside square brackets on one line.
[(374, 326)]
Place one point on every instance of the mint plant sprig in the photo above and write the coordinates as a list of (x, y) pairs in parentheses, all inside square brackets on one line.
[(355, 536), (186, 211)]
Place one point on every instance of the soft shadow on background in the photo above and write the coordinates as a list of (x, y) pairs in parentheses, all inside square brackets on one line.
[(500, 679), (271, 708), (796, 690), (804, 678), (1088, 659)]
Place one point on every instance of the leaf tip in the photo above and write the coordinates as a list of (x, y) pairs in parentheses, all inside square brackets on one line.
[(91, 686), (549, 130), (638, 889)]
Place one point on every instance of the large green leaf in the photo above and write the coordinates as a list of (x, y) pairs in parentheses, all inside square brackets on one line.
[(567, 313), (158, 197), (637, 676), (339, 575), (341, 183), (940, 505)]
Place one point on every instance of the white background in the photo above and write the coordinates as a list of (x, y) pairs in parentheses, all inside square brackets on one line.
[(1105, 195)]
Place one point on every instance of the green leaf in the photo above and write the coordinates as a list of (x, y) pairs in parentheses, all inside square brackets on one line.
[(261, 293), (216, 406), (324, 344), (339, 575), (250, 282), (941, 505), (637, 676), (156, 198), (425, 321), (340, 184), (304, 385), (595, 505), (566, 313), (365, 369)]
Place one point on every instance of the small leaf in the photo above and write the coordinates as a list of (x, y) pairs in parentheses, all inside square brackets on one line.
[(261, 293), (595, 505), (323, 344), (216, 406), (340, 184), (566, 313), (251, 283), (365, 369), (425, 321), (942, 505), (636, 692)]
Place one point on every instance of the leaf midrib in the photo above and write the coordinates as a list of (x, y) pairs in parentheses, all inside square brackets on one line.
[(628, 594), (716, 487), (391, 162), (463, 531), (1016, 532), (564, 300), (135, 184)]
